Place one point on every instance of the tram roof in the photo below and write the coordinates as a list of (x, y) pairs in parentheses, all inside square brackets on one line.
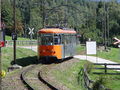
[(56, 30)]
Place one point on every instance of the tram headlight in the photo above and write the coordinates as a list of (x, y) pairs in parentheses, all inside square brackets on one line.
[(53, 52)]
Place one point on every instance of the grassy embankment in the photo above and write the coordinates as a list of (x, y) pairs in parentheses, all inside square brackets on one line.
[(69, 76), (24, 57)]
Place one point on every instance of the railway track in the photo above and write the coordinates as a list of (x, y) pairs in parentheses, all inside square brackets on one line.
[(33, 76), (22, 77), (45, 82)]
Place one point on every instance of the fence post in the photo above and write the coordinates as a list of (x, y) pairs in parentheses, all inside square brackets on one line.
[(105, 68)]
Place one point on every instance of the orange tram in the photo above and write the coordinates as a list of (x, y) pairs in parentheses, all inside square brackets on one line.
[(56, 44)]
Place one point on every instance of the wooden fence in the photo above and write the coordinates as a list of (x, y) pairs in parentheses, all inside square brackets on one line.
[(21, 43), (86, 82), (105, 68)]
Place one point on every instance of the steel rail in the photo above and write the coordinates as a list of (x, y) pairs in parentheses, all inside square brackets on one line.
[(22, 77), (29, 87), (45, 82)]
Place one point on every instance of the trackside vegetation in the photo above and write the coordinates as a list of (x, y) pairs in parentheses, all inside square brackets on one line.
[(69, 77), (24, 57)]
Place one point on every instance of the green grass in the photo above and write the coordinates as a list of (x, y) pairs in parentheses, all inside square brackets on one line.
[(68, 77), (24, 57), (110, 81), (19, 38), (80, 49), (113, 55)]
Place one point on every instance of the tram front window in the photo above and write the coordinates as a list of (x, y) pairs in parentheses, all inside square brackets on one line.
[(46, 39), (57, 40)]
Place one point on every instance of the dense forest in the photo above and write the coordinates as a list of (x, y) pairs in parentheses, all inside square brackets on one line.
[(98, 20)]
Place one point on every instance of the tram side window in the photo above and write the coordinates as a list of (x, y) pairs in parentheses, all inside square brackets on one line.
[(66, 39), (69, 39)]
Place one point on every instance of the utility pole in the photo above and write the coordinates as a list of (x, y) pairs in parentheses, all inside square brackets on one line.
[(0, 71), (14, 35), (0, 53), (14, 38), (2, 44)]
